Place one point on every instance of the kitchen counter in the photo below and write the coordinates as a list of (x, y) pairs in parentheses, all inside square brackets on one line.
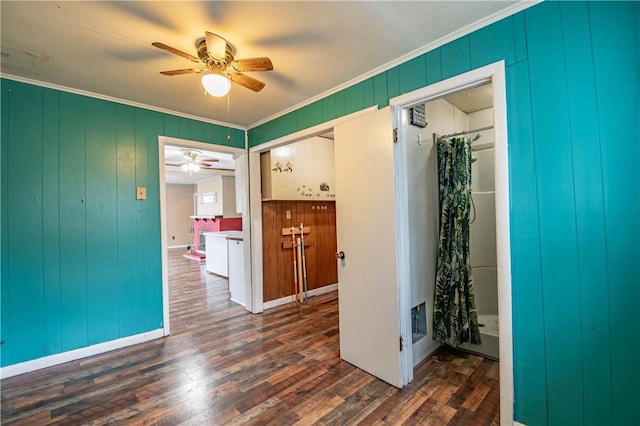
[(235, 235)]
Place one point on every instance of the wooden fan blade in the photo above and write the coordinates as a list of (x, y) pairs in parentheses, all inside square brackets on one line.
[(216, 46), (252, 64), (175, 51), (180, 72), (219, 168), (248, 82)]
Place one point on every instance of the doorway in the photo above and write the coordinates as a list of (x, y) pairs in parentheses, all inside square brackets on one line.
[(255, 202), (410, 146), (299, 226), (238, 157), (464, 115)]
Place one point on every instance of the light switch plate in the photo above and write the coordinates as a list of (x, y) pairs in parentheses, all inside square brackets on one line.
[(141, 193)]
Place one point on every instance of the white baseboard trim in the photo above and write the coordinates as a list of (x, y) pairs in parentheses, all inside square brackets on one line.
[(235, 301), (61, 358), (290, 299), (518, 423)]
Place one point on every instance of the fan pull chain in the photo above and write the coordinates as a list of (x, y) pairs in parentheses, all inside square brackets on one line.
[(228, 117)]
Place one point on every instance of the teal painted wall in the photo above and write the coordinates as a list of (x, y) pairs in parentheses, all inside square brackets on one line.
[(574, 152), (81, 257)]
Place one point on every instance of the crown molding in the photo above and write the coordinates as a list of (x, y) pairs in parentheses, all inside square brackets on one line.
[(116, 100)]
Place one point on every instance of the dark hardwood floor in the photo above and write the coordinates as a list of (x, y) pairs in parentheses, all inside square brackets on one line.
[(223, 365)]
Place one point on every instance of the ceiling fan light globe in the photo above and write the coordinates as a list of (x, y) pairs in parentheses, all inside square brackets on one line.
[(190, 168), (216, 84)]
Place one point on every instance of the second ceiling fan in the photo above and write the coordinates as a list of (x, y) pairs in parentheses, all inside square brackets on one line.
[(220, 65)]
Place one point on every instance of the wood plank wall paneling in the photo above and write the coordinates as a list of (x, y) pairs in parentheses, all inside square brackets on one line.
[(590, 216), (278, 278), (530, 376), (559, 261), (617, 86), (574, 138), (5, 295), (51, 210), (28, 225), (72, 228), (413, 72), (456, 57), (102, 203), (80, 255), (127, 227)]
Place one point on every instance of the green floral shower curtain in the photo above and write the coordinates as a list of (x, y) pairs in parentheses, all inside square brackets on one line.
[(455, 319)]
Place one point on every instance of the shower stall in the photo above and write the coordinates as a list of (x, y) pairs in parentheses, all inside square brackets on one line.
[(482, 235), (447, 116)]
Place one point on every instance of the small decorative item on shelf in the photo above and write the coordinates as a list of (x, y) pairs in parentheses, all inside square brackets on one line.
[(324, 186)]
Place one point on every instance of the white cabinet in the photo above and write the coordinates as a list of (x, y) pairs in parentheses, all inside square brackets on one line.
[(300, 171), (236, 270), (216, 253), (323, 159)]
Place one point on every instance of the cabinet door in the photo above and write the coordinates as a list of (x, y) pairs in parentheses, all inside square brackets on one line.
[(236, 271), (323, 159), (283, 184), (209, 253), (303, 170), (217, 257)]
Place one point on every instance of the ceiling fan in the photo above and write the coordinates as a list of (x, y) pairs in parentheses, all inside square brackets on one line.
[(220, 66), (191, 161)]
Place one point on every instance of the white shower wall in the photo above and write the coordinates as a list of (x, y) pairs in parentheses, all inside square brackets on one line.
[(443, 118), (422, 177), (483, 229)]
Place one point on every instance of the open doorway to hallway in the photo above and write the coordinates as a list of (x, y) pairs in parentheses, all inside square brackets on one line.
[(202, 205)]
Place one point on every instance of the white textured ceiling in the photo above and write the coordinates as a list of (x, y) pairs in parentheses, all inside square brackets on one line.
[(105, 47)]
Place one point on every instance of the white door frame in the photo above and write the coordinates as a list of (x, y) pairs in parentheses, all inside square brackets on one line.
[(496, 74), (166, 140)]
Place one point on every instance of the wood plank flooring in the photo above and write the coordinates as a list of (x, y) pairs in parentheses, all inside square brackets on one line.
[(223, 365)]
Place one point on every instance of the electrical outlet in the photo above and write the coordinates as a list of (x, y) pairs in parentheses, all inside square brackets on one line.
[(288, 214)]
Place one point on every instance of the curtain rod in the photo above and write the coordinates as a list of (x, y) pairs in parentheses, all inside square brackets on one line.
[(465, 132)]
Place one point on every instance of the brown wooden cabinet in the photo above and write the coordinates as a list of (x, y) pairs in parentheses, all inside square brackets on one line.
[(320, 245)]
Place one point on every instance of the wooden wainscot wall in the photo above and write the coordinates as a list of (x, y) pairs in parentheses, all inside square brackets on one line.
[(320, 245)]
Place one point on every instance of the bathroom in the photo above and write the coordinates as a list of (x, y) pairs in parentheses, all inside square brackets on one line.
[(465, 114)]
